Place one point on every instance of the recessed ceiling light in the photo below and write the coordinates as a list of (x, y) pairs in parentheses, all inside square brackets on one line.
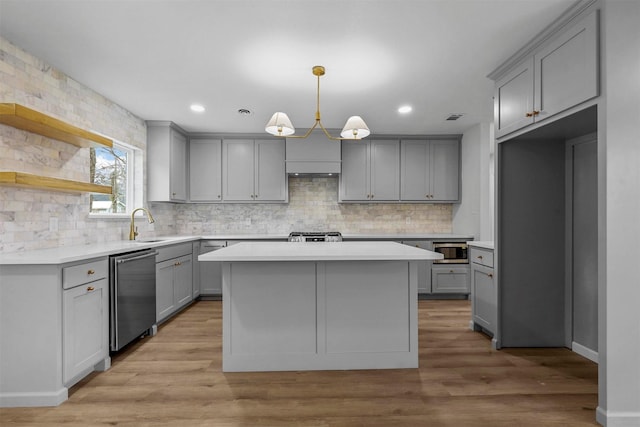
[(197, 108), (405, 109)]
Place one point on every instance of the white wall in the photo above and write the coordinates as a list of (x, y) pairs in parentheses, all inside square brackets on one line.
[(619, 210), (487, 182), (474, 214)]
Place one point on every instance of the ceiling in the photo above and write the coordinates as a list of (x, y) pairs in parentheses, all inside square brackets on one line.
[(155, 58)]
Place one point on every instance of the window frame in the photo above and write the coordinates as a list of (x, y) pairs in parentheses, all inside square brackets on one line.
[(133, 187)]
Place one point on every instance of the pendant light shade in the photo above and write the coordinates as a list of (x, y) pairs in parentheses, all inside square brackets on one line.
[(355, 128), (280, 125)]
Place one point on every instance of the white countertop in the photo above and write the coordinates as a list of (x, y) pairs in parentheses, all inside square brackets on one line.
[(319, 251), (487, 244), (65, 254), (376, 236)]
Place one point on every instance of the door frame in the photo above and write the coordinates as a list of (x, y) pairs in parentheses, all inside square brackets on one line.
[(570, 144)]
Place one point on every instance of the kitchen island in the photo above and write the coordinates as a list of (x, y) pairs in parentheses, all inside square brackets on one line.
[(319, 306)]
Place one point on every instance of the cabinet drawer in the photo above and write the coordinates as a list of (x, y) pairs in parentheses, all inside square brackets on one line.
[(174, 251), (450, 280), (482, 257), (84, 273)]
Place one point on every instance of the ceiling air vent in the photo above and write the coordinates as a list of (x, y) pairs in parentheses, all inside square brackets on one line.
[(454, 116)]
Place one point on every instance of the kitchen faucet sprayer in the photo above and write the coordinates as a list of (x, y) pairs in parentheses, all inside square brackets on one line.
[(133, 230)]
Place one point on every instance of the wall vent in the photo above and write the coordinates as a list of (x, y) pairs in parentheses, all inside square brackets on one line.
[(454, 116)]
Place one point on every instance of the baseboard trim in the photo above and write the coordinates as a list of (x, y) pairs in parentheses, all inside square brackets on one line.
[(585, 352), (617, 419), (17, 400)]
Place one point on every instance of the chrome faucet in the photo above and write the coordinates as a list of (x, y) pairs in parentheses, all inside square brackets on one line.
[(133, 230)]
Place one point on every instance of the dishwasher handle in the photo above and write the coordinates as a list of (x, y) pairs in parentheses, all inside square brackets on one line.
[(145, 255)]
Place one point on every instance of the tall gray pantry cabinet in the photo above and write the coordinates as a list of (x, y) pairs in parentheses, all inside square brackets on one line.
[(546, 97)]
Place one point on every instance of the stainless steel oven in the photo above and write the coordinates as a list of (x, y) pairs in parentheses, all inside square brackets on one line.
[(315, 236), (454, 252)]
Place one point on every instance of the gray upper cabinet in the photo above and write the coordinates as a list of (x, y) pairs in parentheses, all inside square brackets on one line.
[(254, 170), (430, 170), (270, 175), (561, 74), (514, 99), (205, 170), (566, 70), (166, 163), (370, 170)]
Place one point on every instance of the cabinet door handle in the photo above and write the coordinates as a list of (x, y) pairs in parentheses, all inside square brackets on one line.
[(490, 275), (90, 288), (528, 114), (450, 271), (372, 196), (536, 112), (90, 272), (218, 196), (479, 256), (177, 263)]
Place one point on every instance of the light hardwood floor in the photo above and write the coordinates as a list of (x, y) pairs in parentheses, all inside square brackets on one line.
[(175, 379)]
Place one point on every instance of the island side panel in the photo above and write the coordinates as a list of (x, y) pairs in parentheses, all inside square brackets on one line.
[(348, 297), (367, 308), (269, 313)]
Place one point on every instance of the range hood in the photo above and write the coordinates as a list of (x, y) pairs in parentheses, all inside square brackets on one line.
[(314, 155)]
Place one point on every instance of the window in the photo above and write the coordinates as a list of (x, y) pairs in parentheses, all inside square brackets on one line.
[(114, 167)]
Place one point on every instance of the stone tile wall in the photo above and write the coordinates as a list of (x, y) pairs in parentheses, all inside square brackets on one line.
[(313, 205), (25, 214)]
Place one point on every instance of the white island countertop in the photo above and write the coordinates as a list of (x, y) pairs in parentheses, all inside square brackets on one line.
[(319, 251)]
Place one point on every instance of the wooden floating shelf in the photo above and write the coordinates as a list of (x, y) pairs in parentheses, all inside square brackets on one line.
[(24, 118), (26, 180)]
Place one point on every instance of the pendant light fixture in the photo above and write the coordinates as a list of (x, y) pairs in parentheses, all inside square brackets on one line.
[(280, 125)]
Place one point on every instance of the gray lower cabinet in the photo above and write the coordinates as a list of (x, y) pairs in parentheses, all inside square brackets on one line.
[(209, 272), (174, 279), (430, 170), (370, 171), (484, 294), (54, 329), (205, 170), (85, 318), (424, 267), (450, 279), (254, 170)]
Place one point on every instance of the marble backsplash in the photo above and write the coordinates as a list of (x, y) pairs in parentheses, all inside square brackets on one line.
[(35, 219), (313, 205)]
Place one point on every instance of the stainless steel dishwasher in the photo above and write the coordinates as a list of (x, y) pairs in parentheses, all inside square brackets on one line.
[(132, 296)]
